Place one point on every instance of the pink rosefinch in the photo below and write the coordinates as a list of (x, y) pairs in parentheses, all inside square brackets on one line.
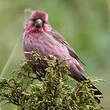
[(41, 38)]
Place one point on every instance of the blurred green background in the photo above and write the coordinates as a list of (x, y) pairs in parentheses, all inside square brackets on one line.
[(85, 24)]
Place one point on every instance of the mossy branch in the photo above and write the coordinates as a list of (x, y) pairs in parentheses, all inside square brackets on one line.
[(29, 91)]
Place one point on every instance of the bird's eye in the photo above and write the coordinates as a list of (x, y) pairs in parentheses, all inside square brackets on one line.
[(38, 23)]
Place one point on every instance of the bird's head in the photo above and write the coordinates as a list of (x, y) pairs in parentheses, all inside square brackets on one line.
[(38, 22)]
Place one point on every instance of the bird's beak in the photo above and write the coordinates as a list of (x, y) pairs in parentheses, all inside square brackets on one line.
[(38, 23)]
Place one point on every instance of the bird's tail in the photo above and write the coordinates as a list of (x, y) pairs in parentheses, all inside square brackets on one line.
[(97, 94), (80, 78)]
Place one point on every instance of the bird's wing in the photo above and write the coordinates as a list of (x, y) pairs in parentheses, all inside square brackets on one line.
[(60, 39)]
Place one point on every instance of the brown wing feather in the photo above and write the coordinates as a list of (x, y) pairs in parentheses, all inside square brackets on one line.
[(59, 38)]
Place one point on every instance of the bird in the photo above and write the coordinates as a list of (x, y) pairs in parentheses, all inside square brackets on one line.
[(40, 37)]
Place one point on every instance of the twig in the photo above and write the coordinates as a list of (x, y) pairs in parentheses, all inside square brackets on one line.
[(9, 59)]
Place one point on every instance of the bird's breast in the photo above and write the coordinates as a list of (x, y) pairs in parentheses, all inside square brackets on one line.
[(45, 45)]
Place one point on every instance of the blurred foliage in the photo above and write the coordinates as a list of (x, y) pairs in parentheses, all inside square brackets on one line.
[(51, 92), (85, 24)]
